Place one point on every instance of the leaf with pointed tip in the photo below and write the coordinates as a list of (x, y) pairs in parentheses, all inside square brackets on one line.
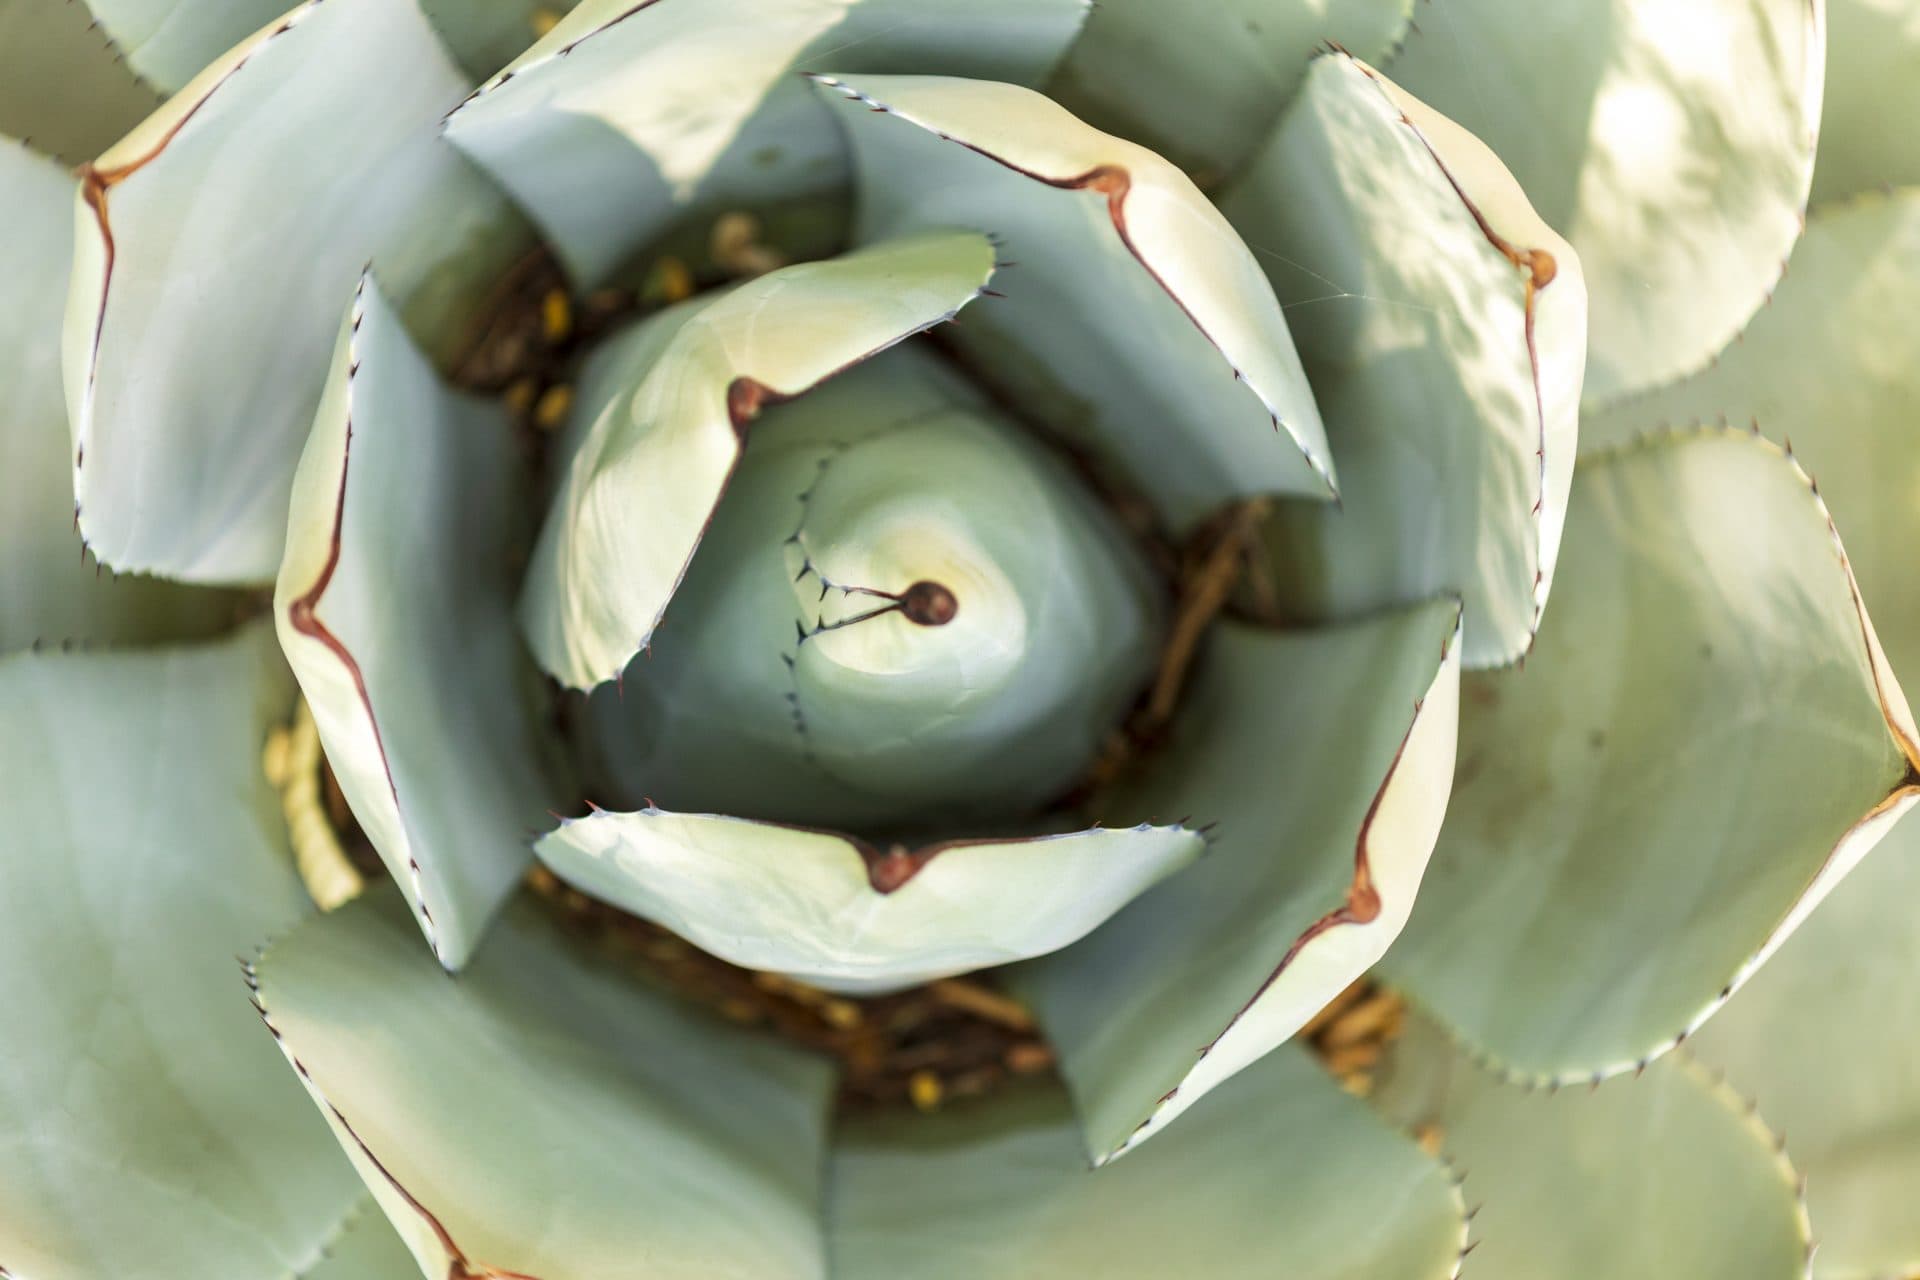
[(1822, 1035), (48, 591), (216, 242), (1670, 142), (1325, 756), (1705, 740), (64, 87), (148, 1130), (1668, 1175), (365, 1248), (627, 118), (485, 35), (1825, 1037), (395, 607), (1447, 352), (1201, 83), (543, 1115), (1873, 95), (1834, 365), (782, 687), (168, 41), (639, 486), (837, 912), (1278, 1174), (1136, 322)]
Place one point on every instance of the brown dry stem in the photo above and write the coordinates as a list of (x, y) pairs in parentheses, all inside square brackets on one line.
[(956, 1038), (1351, 1034)]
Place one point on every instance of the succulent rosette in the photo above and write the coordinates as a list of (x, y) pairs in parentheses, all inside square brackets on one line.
[(1256, 527)]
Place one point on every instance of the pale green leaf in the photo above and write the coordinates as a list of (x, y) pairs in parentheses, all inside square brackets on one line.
[(146, 1129), (1825, 1038), (64, 87), (365, 1248), (215, 244), (1325, 758), (840, 913), (1446, 347), (1867, 138), (1671, 141), (50, 590), (1834, 366), (628, 118), (1201, 81), (1820, 1035), (1704, 742), (649, 462), (1667, 1177), (543, 1115), (167, 42), (1136, 323), (1278, 1174), (486, 35), (395, 607), (788, 681)]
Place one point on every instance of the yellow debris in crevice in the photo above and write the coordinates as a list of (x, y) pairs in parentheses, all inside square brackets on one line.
[(520, 396), (543, 21), (668, 280), (556, 317), (837, 1012), (291, 761), (551, 409), (1352, 1033), (981, 1002), (736, 247), (1028, 1058), (1374, 1019), (925, 1089)]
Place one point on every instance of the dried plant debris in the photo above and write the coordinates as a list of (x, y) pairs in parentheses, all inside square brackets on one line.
[(956, 1038), (1351, 1033)]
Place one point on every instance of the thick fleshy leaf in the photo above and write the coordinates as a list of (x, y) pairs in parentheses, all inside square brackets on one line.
[(395, 607), (544, 1116), (1201, 83), (1866, 141), (1704, 741), (1671, 1174), (147, 1130), (64, 87), (794, 681), (1448, 339), (1823, 1034), (49, 590), (485, 35), (168, 41), (1136, 322), (214, 245), (843, 914), (1825, 1038), (1278, 1174), (1834, 366), (649, 462), (1325, 757), (1670, 140), (628, 118), (366, 1248)]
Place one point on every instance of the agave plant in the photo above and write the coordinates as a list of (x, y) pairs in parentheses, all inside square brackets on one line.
[(847, 495)]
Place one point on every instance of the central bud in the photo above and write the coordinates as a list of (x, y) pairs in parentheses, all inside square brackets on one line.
[(907, 614), (929, 604)]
